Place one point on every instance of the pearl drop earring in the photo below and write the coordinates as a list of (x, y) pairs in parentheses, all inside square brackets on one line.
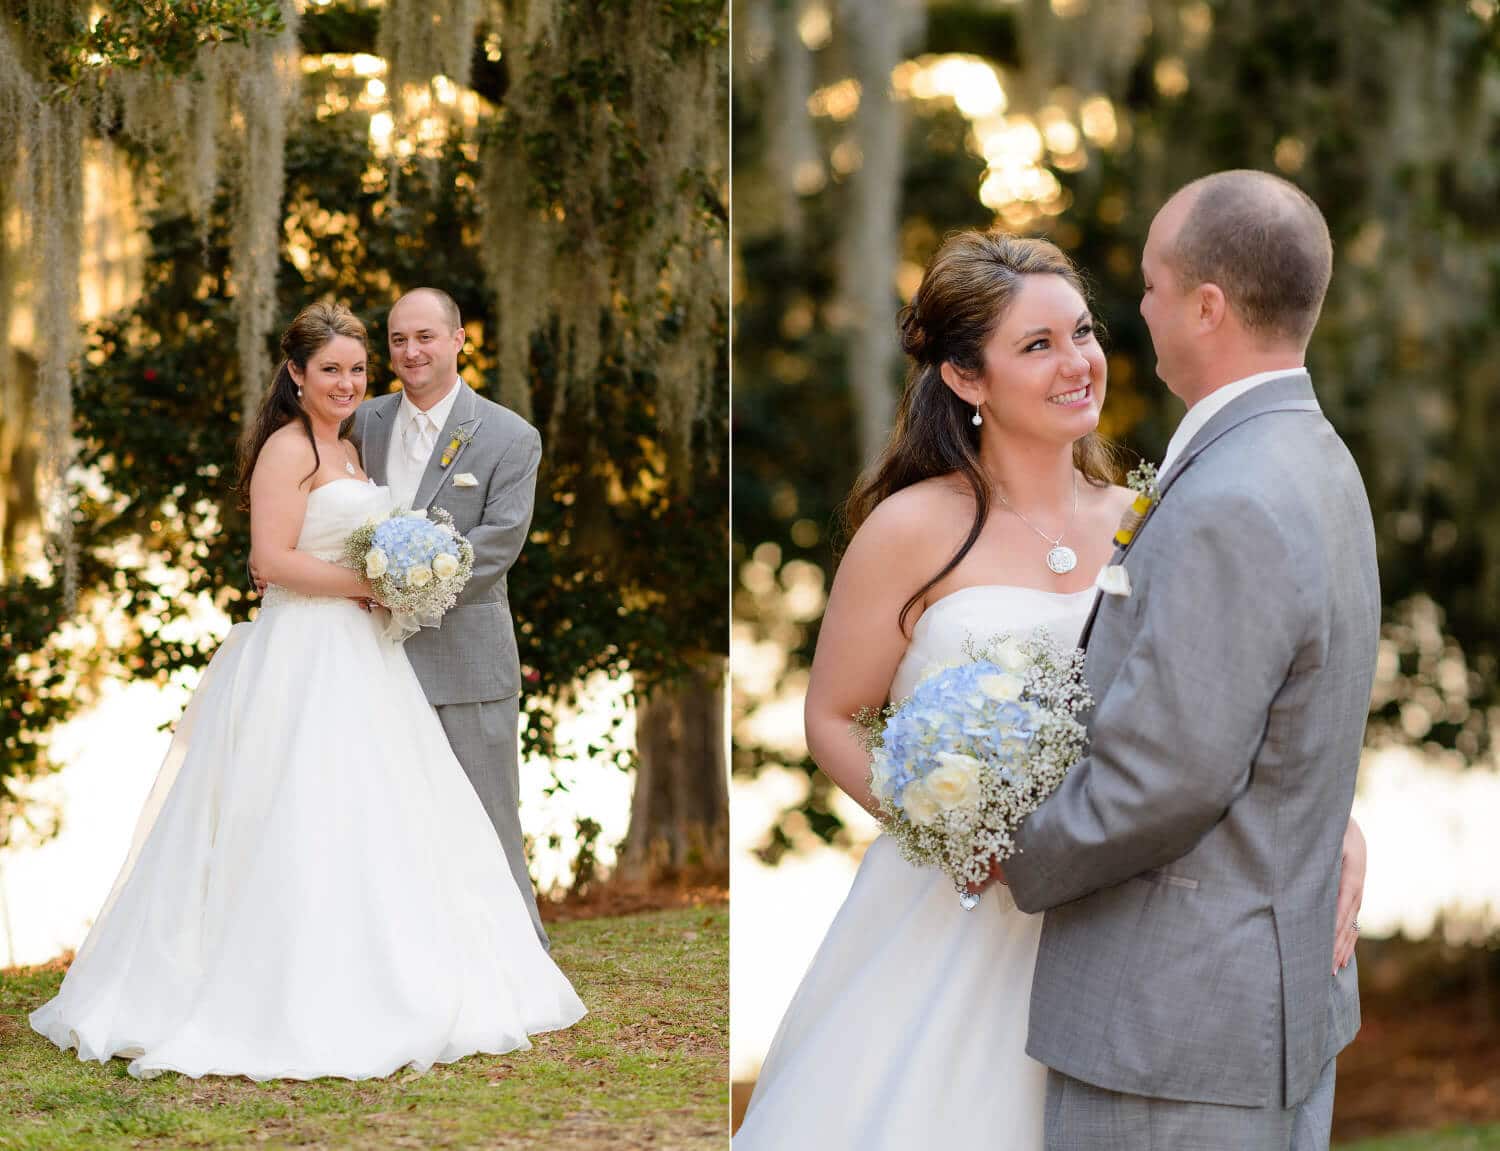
[(299, 393), (978, 419)]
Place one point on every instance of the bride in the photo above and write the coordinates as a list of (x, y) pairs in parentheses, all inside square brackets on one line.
[(314, 887), (909, 1027)]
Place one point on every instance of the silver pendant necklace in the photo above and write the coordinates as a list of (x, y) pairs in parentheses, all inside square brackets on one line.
[(1061, 559)]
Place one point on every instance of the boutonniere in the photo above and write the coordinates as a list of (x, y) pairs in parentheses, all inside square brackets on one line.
[(1142, 481), (461, 436)]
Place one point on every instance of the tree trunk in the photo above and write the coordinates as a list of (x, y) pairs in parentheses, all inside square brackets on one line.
[(878, 34), (679, 817)]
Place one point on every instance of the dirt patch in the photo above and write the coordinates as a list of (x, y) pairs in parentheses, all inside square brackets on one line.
[(621, 897)]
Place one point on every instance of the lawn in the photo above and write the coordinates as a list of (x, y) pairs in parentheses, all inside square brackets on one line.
[(648, 1067), (1448, 1139)]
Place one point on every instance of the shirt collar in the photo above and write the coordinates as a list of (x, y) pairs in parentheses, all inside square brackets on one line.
[(439, 411), (1209, 406)]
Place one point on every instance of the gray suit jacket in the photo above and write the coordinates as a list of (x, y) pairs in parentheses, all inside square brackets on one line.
[(472, 657), (1190, 862)]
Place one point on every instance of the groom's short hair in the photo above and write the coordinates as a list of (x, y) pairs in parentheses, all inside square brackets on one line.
[(1264, 242), (447, 302)]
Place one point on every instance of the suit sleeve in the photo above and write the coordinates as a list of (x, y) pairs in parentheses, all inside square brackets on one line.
[(501, 532), (1175, 733)]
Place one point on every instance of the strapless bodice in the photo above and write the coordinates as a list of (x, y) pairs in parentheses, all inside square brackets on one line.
[(980, 613), (334, 510)]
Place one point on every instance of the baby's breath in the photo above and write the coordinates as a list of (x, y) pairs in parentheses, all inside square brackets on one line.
[(959, 764)]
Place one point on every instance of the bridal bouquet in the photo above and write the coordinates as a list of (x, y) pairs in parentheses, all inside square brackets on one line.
[(416, 565), (975, 749)]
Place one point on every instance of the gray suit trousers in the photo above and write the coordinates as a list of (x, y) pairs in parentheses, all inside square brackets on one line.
[(480, 734), (1081, 1117)]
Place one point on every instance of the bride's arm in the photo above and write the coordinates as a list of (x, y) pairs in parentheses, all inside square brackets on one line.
[(278, 505), (860, 642)]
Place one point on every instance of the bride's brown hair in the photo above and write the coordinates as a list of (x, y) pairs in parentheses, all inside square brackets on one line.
[(965, 293), (314, 326)]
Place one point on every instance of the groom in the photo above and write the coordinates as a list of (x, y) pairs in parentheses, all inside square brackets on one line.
[(440, 445), (1189, 865)]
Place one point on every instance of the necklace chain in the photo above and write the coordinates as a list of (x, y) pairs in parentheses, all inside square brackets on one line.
[(1025, 520)]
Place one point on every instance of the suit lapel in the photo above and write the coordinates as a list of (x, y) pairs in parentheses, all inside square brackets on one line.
[(1288, 394), (377, 438), (461, 414)]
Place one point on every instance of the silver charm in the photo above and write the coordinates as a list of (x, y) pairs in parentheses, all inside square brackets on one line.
[(968, 900), (1062, 559), (348, 467)]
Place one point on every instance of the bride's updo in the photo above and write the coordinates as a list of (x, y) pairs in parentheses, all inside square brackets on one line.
[(964, 294), (314, 327)]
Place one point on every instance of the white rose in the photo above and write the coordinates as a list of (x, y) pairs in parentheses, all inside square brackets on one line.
[(419, 576), (918, 804), (1002, 688), (444, 565), (955, 781), (881, 773), (1010, 657), (376, 563)]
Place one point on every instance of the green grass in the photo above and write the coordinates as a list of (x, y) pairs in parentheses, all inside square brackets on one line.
[(1446, 1139), (648, 1066)]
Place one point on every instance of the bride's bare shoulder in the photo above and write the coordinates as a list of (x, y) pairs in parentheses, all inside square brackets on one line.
[(286, 454), (913, 524)]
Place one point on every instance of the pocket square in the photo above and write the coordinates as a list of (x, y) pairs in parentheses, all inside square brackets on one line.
[(1113, 579), (465, 480)]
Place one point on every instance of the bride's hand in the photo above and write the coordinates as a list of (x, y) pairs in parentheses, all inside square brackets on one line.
[(996, 875), (1351, 896)]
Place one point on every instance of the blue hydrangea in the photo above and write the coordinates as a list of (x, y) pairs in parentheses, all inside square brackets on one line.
[(409, 541), (950, 712)]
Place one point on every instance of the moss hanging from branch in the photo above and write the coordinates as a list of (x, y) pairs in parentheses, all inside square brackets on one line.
[(605, 192), (47, 154), (420, 39), (266, 76)]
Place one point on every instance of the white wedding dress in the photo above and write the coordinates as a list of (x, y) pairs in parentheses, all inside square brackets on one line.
[(314, 887), (909, 1028)]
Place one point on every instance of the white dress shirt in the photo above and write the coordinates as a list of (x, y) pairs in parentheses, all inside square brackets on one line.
[(1211, 405), (413, 438)]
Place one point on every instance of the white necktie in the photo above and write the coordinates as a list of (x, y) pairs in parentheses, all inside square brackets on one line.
[(419, 439)]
